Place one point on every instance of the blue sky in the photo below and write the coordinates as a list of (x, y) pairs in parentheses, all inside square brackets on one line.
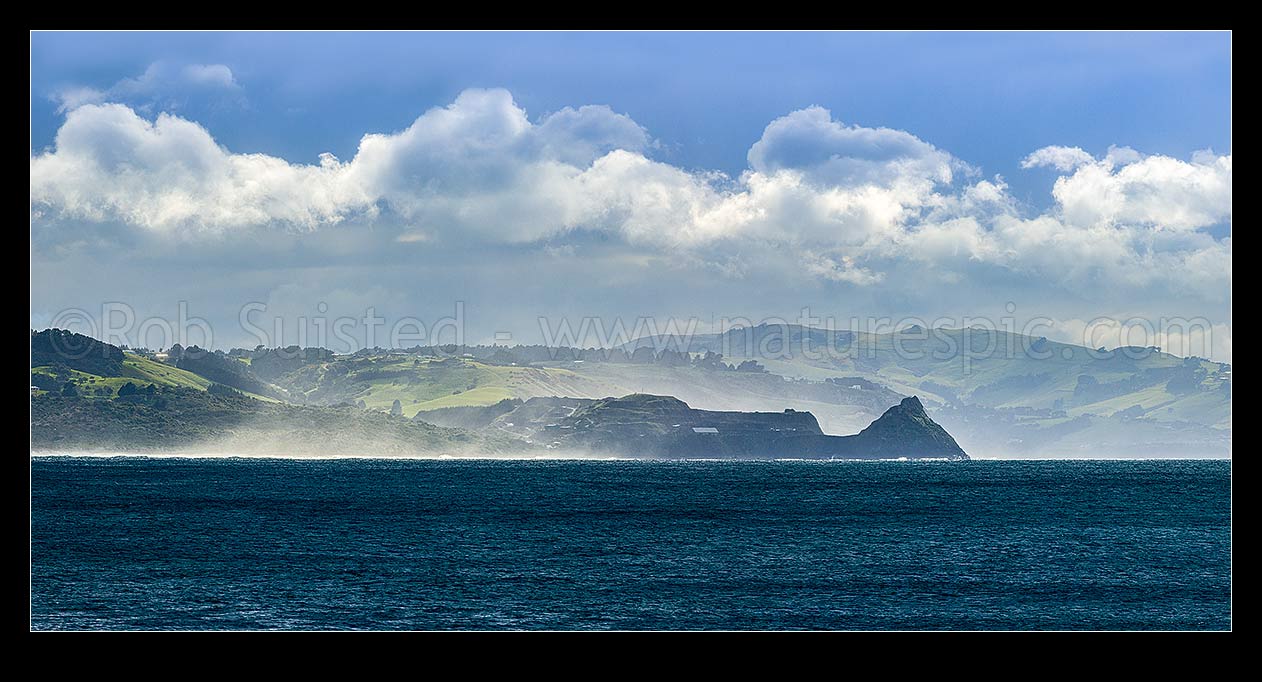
[(974, 106), (990, 98)]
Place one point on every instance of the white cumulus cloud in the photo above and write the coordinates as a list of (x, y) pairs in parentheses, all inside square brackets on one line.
[(1061, 158), (170, 174), (838, 203), (1160, 191)]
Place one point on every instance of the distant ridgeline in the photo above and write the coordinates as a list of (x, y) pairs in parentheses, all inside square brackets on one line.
[(642, 425), (998, 393), (91, 396)]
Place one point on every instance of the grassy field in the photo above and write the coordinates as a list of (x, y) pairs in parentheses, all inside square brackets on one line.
[(427, 384), (141, 372), (136, 369), (152, 371)]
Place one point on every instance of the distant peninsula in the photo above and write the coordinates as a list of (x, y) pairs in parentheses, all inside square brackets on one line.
[(642, 425), (88, 396)]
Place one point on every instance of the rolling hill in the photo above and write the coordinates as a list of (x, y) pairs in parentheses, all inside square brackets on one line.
[(1000, 394)]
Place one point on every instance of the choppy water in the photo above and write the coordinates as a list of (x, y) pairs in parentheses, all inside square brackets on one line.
[(127, 543)]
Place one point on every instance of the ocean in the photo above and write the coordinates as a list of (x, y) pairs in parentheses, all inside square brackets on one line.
[(125, 543)]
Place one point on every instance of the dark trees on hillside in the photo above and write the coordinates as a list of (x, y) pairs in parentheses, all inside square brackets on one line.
[(750, 366), (220, 389), (272, 363), (58, 347), (220, 368)]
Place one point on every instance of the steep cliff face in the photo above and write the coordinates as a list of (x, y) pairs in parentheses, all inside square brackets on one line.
[(662, 426), (906, 428)]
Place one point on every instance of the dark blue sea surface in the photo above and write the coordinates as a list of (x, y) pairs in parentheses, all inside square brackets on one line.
[(139, 543)]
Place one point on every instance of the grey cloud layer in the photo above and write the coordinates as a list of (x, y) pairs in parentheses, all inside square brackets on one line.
[(842, 203)]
